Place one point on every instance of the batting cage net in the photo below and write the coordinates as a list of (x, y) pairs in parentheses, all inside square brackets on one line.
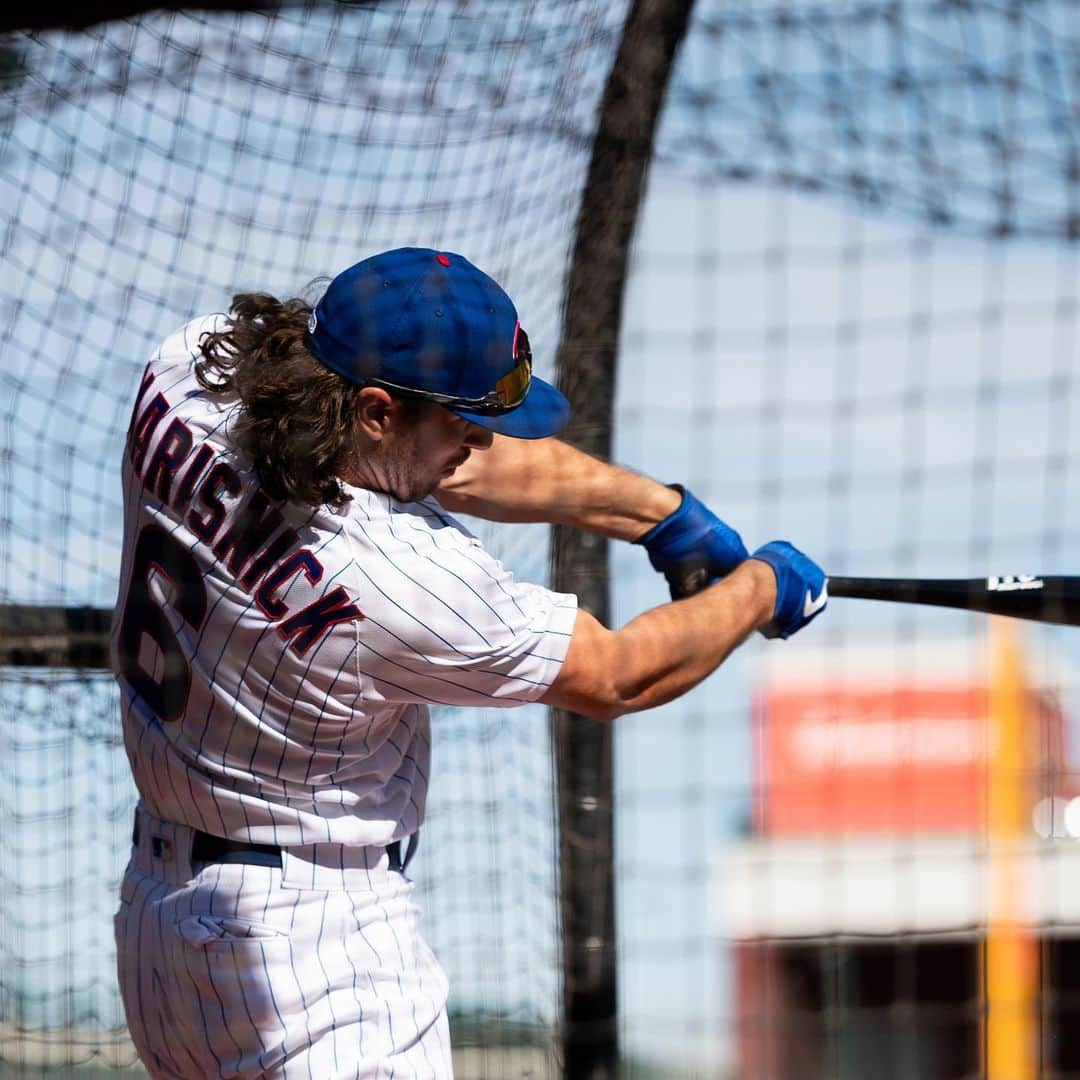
[(849, 319)]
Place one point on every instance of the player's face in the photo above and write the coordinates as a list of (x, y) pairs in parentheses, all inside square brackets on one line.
[(427, 449)]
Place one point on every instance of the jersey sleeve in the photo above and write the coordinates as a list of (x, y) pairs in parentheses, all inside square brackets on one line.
[(446, 623)]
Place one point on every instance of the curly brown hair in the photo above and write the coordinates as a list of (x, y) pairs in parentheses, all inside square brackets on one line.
[(297, 422)]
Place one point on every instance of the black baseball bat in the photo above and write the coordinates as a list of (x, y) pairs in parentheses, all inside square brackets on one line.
[(1023, 596)]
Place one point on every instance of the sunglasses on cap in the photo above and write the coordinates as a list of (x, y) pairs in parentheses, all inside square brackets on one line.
[(509, 392)]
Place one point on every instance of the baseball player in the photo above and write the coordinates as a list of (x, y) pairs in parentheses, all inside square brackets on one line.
[(295, 595)]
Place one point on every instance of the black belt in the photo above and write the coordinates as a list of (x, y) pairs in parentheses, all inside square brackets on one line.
[(216, 849), (207, 848)]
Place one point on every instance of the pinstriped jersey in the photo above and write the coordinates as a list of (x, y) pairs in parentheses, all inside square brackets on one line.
[(276, 662)]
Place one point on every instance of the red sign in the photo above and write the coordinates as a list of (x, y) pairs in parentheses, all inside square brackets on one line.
[(838, 759)]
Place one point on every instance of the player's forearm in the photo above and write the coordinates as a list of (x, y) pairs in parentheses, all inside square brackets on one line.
[(546, 480), (664, 652)]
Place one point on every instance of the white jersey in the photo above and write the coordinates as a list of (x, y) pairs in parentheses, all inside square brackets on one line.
[(276, 661)]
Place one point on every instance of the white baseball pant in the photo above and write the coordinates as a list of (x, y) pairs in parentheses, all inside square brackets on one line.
[(314, 969)]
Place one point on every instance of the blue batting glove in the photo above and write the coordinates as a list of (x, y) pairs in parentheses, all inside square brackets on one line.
[(692, 547), (802, 589)]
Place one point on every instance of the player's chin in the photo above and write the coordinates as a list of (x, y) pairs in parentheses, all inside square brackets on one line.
[(418, 490), (452, 466)]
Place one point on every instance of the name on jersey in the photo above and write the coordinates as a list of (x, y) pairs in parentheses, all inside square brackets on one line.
[(251, 537)]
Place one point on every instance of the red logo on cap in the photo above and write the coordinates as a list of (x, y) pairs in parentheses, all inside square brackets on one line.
[(444, 259)]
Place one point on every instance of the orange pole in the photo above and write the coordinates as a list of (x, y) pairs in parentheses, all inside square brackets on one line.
[(1010, 974)]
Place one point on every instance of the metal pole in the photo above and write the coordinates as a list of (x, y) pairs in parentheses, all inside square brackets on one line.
[(586, 372)]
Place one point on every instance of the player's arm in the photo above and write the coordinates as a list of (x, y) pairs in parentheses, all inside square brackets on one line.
[(547, 480), (669, 650)]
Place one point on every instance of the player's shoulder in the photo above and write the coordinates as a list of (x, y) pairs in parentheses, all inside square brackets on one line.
[(180, 348), (412, 530), (172, 363), (416, 559), (425, 515), (169, 379)]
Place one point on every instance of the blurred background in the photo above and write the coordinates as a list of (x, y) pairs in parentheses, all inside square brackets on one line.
[(816, 261)]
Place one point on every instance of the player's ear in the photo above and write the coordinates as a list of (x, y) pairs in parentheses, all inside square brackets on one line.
[(374, 408)]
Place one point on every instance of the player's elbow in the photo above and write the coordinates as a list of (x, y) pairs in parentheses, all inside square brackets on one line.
[(596, 704), (606, 708), (596, 679)]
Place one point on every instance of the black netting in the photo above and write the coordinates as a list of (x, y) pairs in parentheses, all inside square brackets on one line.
[(851, 321), (149, 169)]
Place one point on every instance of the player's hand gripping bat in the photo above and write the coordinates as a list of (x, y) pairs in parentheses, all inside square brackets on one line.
[(1024, 596)]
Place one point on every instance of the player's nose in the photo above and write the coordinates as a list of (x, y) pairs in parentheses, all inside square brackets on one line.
[(478, 438)]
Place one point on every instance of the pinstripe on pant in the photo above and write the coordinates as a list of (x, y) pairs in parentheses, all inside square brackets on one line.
[(249, 971)]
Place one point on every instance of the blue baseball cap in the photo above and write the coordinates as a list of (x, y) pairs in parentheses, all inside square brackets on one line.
[(429, 324)]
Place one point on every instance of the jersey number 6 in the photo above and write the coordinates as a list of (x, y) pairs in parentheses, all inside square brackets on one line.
[(165, 689)]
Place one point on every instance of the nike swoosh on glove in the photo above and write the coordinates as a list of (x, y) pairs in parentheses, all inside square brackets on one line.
[(802, 588), (692, 547)]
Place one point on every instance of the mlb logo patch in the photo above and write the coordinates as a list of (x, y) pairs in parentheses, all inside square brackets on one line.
[(161, 847)]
